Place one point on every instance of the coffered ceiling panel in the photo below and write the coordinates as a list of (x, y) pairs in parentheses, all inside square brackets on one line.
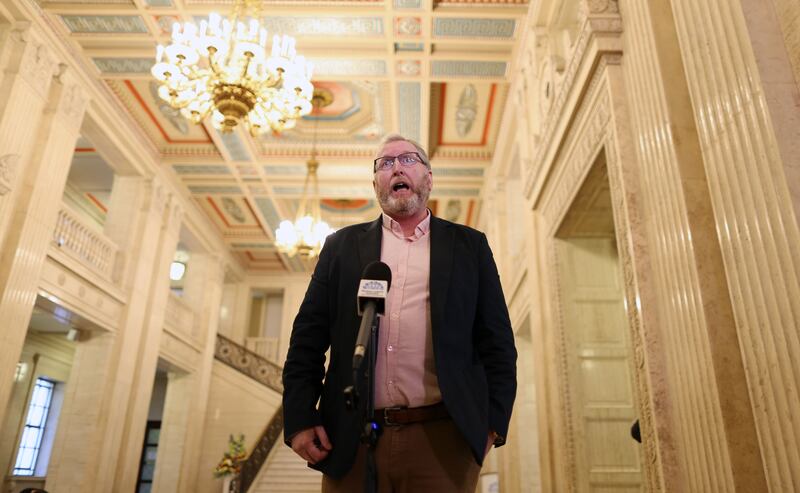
[(435, 71)]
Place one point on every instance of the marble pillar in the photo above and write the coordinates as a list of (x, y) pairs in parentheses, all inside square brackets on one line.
[(40, 174), (144, 359), (747, 127), (187, 393)]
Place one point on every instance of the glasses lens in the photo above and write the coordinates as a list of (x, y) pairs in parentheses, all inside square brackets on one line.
[(408, 159)]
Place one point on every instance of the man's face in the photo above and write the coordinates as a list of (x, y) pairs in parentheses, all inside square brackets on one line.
[(402, 191)]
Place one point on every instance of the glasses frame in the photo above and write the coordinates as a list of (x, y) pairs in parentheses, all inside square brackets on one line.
[(375, 168)]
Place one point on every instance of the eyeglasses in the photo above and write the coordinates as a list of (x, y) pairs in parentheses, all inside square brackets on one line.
[(406, 159)]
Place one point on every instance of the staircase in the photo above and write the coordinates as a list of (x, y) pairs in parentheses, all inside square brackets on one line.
[(271, 466), (285, 472)]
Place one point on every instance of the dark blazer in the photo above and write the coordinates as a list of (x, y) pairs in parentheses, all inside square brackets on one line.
[(473, 343)]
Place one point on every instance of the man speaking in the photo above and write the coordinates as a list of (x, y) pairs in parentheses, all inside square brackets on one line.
[(445, 375)]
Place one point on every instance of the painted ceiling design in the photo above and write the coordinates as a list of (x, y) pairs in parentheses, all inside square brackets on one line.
[(433, 70)]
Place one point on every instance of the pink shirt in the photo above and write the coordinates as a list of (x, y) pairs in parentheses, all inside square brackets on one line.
[(405, 372)]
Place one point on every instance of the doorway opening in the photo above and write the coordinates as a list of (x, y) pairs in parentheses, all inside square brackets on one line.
[(600, 408)]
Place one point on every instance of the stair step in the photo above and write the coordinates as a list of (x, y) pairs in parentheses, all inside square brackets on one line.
[(285, 472)]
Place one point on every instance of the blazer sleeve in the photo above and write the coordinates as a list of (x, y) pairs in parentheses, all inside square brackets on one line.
[(304, 368), (494, 340)]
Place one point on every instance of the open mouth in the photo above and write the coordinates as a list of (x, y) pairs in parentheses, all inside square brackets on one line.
[(400, 186)]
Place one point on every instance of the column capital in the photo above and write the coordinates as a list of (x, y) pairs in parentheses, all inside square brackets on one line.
[(174, 213), (31, 58), (157, 195), (73, 99)]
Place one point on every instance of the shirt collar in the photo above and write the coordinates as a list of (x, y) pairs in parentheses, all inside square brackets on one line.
[(421, 230)]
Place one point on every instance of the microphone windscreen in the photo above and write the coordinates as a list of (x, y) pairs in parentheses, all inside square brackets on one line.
[(378, 271)]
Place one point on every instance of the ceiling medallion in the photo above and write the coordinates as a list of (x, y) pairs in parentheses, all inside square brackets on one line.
[(221, 68)]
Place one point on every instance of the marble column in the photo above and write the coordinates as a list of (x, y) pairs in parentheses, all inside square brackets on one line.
[(748, 142), (187, 394), (714, 441), (145, 358), (29, 219), (27, 68)]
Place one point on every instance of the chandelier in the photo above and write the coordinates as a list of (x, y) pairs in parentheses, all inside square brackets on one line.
[(306, 235), (221, 68)]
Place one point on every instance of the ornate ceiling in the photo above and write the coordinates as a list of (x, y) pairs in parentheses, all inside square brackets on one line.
[(437, 72)]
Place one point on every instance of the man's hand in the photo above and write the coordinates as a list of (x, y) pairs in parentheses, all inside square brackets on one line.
[(312, 444), (489, 443)]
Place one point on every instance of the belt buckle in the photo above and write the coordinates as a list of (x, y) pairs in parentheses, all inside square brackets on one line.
[(386, 411)]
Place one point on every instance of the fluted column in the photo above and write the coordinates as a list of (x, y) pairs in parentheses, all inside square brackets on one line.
[(27, 67), (144, 358), (712, 431), (29, 218), (754, 193), (187, 394)]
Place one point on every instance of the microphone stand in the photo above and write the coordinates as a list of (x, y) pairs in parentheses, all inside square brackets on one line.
[(369, 428)]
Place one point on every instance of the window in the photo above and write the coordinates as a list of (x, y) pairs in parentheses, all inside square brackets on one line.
[(147, 465), (32, 434)]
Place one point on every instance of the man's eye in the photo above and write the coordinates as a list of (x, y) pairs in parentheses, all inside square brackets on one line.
[(407, 159)]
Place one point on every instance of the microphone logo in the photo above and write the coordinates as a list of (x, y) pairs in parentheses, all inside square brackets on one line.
[(372, 289)]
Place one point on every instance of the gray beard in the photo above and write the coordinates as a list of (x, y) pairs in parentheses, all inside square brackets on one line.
[(405, 206)]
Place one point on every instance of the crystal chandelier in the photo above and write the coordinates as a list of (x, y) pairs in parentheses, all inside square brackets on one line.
[(308, 232), (221, 68)]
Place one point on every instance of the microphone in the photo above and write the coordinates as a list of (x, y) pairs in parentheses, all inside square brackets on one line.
[(371, 301)]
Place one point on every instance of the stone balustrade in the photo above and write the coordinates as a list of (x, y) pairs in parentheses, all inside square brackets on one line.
[(82, 241)]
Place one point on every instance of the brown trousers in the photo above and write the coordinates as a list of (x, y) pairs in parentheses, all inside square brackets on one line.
[(416, 458)]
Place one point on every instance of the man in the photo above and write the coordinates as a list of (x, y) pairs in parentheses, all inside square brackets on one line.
[(446, 365)]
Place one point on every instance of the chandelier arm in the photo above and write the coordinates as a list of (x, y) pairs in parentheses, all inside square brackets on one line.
[(247, 60)]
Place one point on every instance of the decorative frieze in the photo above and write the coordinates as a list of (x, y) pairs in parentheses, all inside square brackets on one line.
[(553, 114), (456, 27), (409, 96), (461, 68)]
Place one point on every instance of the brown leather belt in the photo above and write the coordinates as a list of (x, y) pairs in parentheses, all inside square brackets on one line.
[(397, 416)]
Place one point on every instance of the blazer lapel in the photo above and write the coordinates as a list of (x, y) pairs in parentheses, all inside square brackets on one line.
[(369, 243), (442, 244)]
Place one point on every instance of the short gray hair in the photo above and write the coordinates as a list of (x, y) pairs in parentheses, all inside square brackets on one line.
[(399, 138)]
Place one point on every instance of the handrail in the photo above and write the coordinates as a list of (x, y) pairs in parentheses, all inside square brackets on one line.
[(269, 374), (249, 363), (255, 461)]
